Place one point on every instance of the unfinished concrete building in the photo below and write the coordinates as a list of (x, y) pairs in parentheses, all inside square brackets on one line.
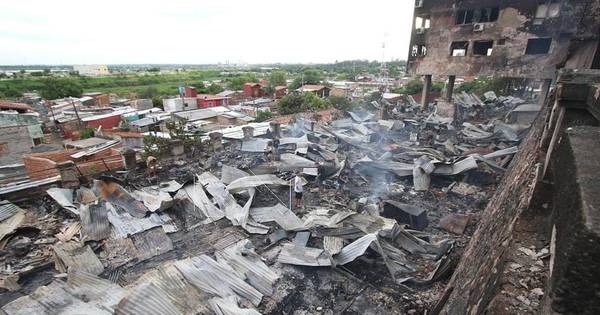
[(519, 39), (546, 196)]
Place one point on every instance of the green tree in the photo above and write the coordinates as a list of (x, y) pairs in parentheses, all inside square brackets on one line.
[(278, 78), (437, 86), (237, 83), (149, 92), (157, 102), (53, 88), (86, 133), (10, 91), (340, 102), (308, 76), (501, 86), (214, 89), (296, 103), (263, 115), (413, 87)]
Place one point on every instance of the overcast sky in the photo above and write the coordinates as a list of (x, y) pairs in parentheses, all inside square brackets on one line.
[(202, 32)]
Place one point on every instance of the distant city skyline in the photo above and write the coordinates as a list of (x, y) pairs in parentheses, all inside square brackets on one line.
[(202, 32)]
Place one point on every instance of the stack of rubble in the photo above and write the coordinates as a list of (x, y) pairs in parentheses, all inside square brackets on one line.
[(400, 191)]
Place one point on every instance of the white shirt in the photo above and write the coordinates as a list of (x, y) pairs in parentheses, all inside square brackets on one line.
[(298, 184)]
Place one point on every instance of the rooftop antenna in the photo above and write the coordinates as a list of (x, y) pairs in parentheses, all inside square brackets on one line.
[(383, 71)]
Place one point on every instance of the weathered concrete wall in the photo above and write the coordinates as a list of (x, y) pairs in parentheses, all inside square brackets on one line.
[(570, 184), (575, 279), (14, 143), (510, 34)]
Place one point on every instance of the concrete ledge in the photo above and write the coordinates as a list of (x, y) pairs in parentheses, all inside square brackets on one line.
[(575, 278)]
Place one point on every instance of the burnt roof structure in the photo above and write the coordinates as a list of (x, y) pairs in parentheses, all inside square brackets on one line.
[(514, 38), (508, 38)]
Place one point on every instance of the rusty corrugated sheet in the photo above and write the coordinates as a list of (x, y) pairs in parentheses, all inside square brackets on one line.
[(146, 299), (94, 221)]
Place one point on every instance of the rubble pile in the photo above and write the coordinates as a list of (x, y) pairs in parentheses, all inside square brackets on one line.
[(391, 196)]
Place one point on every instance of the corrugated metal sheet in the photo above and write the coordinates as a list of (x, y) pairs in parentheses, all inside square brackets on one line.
[(361, 117), (95, 149), (100, 292), (185, 297), (118, 196), (229, 306), (243, 259), (75, 255), (233, 211), (24, 305), (124, 224), (355, 249), (255, 145), (64, 197), (94, 221), (9, 225), (151, 243), (237, 133), (146, 299), (29, 184), (255, 181), (303, 256), (218, 279), (195, 193), (7, 209), (229, 174), (280, 214), (153, 199)]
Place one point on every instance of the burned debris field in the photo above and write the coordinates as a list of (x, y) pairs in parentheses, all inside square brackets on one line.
[(460, 178), (391, 197)]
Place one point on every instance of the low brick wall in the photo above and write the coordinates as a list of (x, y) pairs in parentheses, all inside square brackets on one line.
[(43, 165)]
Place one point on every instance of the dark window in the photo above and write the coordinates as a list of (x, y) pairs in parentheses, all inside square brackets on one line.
[(414, 50), (501, 41), (487, 15), (418, 50), (464, 17), (483, 15), (459, 49), (538, 46), (546, 11), (483, 47)]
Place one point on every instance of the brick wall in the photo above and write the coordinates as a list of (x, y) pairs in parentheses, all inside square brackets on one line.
[(43, 165)]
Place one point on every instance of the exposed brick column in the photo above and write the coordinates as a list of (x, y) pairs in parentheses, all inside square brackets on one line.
[(129, 159), (248, 132), (275, 129), (69, 175), (450, 87), (426, 89), (216, 139)]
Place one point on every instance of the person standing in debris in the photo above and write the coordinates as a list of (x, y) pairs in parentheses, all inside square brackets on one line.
[(298, 190), (151, 165)]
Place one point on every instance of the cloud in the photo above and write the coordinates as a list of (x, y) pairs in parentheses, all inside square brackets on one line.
[(202, 32)]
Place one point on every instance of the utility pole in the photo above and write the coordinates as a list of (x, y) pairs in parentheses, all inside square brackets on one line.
[(76, 113)]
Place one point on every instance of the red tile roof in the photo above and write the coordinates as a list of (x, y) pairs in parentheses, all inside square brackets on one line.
[(16, 106)]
